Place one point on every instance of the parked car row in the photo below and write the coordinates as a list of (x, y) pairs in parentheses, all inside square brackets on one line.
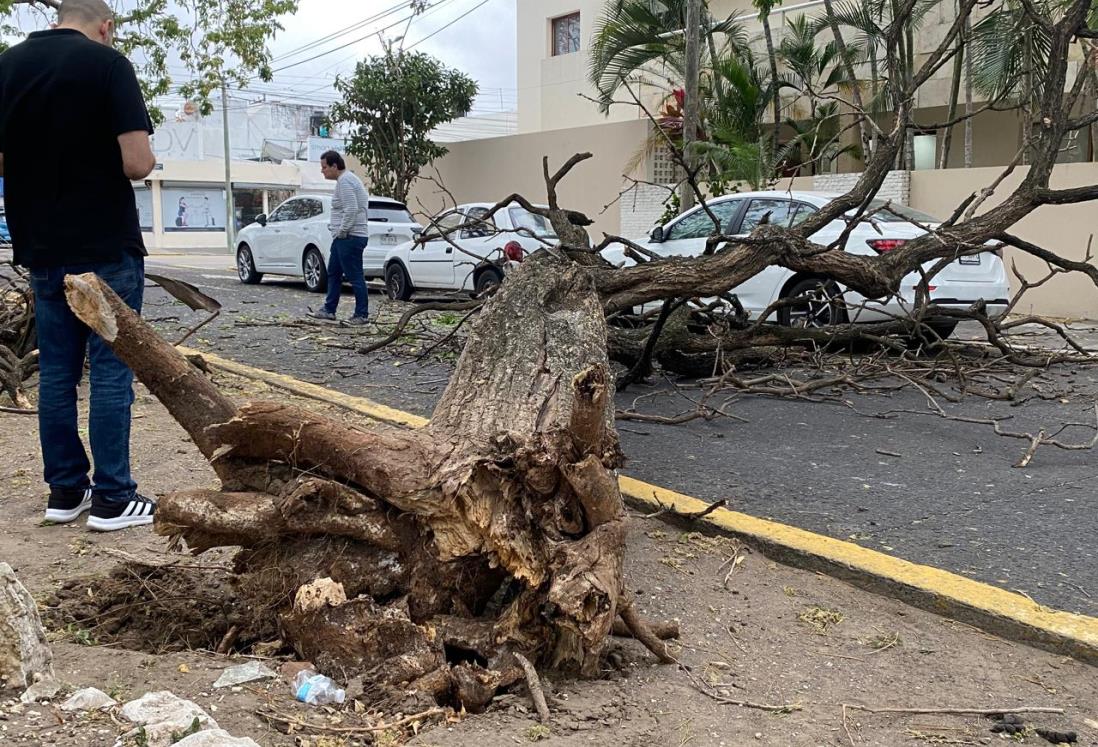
[(465, 250), (294, 240)]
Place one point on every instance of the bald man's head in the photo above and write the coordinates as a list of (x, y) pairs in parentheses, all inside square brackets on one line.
[(92, 17)]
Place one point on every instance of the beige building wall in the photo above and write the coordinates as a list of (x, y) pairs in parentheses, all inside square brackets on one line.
[(1064, 229), (551, 90), (490, 169)]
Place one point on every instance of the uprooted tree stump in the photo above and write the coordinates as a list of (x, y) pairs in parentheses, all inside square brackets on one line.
[(420, 557)]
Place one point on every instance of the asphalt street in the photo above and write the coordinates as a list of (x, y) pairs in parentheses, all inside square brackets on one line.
[(929, 490)]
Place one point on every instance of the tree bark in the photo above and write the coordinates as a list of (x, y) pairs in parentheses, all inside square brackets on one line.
[(691, 106), (954, 95), (497, 528), (776, 96)]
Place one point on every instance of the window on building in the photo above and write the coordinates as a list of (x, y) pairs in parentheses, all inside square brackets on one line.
[(143, 197), (248, 203), (566, 34), (926, 151), (192, 208)]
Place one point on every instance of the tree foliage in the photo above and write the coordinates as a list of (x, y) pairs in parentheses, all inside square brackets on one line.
[(216, 41), (392, 102)]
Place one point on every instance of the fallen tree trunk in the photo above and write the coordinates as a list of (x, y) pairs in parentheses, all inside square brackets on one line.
[(496, 529)]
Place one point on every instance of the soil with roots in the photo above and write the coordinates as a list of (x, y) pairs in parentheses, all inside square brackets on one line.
[(128, 615)]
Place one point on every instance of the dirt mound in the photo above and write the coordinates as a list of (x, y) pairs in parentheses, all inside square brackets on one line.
[(155, 609)]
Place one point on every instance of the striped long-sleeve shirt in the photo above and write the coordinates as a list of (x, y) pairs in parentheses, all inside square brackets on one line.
[(349, 208)]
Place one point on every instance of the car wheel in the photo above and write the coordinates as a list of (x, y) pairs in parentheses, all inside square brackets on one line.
[(245, 266), (487, 281), (821, 306), (316, 274), (398, 285)]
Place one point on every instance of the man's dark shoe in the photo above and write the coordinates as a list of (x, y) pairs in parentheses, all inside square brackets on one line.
[(322, 314), (110, 516), (358, 321), (66, 504)]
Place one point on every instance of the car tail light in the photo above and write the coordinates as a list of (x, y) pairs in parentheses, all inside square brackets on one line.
[(513, 251), (885, 245)]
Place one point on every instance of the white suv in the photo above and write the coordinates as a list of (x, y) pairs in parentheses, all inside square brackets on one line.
[(294, 240)]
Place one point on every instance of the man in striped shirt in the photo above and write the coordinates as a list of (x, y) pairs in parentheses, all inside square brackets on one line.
[(350, 233)]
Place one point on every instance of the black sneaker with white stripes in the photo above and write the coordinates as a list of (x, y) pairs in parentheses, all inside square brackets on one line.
[(110, 516), (66, 504)]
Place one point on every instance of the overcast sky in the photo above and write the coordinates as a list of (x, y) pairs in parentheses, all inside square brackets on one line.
[(479, 41), (474, 36)]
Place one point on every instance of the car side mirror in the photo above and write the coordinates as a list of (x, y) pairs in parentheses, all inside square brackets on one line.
[(261, 219), (657, 236)]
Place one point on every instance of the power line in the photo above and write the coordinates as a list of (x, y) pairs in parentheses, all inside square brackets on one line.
[(343, 32), (451, 23), (355, 41)]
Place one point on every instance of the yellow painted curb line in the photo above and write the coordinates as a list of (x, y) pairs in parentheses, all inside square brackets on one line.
[(312, 391), (988, 607)]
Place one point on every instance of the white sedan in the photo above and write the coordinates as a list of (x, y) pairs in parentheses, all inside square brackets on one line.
[(960, 284), (472, 258), (294, 240)]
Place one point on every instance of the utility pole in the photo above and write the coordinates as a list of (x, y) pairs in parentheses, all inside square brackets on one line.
[(230, 212), (690, 103)]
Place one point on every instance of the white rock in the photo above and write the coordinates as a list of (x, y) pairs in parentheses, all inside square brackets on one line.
[(323, 592), (88, 699), (215, 738), (25, 656), (249, 672), (45, 689), (164, 715)]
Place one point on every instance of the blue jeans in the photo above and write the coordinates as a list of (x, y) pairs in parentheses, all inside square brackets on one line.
[(63, 342), (345, 263)]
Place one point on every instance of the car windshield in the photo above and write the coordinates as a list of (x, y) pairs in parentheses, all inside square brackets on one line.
[(389, 212), (898, 213), (535, 225)]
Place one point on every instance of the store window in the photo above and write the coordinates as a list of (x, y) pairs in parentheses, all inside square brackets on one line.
[(143, 196), (192, 208), (566, 34), (248, 204)]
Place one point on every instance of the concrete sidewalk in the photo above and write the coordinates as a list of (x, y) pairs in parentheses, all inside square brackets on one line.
[(223, 261)]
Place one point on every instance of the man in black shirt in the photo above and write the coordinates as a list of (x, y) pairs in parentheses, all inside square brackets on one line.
[(74, 131)]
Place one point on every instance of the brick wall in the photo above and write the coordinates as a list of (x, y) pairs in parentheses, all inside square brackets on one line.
[(640, 208), (896, 187)]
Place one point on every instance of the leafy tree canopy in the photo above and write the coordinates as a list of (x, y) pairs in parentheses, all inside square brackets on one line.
[(214, 41), (391, 103)]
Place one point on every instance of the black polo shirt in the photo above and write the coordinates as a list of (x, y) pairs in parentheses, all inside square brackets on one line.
[(64, 100)]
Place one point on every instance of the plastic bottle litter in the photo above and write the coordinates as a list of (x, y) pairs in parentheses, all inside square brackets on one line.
[(316, 689)]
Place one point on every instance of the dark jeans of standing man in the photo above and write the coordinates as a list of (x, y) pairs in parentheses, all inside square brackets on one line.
[(63, 342), (345, 261)]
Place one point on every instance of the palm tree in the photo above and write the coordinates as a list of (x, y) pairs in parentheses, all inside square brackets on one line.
[(1000, 61), (814, 70), (765, 7), (870, 18), (641, 41)]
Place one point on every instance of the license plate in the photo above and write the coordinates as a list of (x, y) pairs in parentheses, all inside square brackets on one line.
[(973, 260), (389, 239)]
